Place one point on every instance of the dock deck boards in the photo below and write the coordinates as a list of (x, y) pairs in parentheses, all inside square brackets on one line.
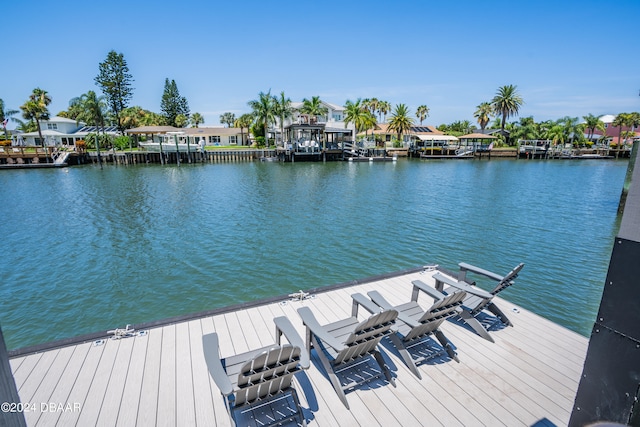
[(530, 374)]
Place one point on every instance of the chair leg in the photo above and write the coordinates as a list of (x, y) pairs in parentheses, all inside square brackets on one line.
[(406, 356), (385, 370), (296, 401), (335, 381), (475, 325), (447, 345), (499, 314)]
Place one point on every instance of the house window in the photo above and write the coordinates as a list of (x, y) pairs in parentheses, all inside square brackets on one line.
[(337, 117), (52, 126), (232, 139), (388, 138), (214, 139)]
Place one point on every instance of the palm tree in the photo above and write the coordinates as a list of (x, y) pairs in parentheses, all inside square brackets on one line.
[(526, 129), (620, 121), (36, 108), (372, 105), (5, 115), (592, 123), (93, 110), (422, 112), (196, 119), (507, 103), (264, 111), (313, 107), (573, 129), (227, 118), (556, 134), (283, 110), (383, 108), (244, 121), (359, 115), (400, 121), (483, 114)]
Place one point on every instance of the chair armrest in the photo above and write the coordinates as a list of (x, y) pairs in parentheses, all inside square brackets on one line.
[(464, 267), (421, 286), (462, 286), (366, 303), (379, 300), (384, 304), (284, 326), (211, 348), (318, 330)]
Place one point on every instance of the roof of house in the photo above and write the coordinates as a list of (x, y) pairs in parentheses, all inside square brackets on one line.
[(213, 131), (477, 136), (383, 128), (607, 118), (58, 119), (152, 129)]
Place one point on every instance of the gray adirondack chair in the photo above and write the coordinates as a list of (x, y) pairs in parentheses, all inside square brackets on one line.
[(415, 325), (478, 299), (257, 385), (346, 347)]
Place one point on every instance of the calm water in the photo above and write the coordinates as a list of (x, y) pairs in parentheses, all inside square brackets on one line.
[(86, 249)]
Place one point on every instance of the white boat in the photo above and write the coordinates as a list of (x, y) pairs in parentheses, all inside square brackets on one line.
[(172, 142)]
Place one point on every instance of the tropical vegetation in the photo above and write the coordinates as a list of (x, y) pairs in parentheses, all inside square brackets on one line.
[(36, 109), (400, 120), (506, 103), (264, 111)]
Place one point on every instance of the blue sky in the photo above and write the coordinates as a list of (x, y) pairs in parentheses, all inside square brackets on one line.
[(566, 57)]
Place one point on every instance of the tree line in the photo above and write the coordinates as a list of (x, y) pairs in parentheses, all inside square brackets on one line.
[(116, 84)]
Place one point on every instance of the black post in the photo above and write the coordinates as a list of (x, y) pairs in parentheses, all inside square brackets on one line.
[(10, 416), (610, 385)]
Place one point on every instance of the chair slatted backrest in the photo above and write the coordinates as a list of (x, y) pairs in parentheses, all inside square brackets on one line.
[(436, 314), (267, 373), (366, 336), (508, 279)]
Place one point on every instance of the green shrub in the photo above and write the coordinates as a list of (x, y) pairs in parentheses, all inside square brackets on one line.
[(122, 142)]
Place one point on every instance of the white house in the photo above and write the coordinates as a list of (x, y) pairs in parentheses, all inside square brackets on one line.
[(302, 126), (59, 131)]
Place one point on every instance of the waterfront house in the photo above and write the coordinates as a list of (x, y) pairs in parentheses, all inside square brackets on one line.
[(327, 131), (211, 135), (612, 132), (417, 135), (59, 131)]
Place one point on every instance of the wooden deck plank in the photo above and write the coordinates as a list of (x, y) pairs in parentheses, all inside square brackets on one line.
[(80, 389), (202, 392), (113, 395), (219, 409), (28, 387), (318, 392), (167, 385), (46, 388), (95, 396), (185, 399), (148, 407), (529, 374), (66, 384), (131, 395)]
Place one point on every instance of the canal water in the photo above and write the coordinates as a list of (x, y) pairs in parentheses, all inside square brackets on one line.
[(86, 249)]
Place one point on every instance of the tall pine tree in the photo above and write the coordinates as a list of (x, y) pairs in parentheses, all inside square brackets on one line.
[(115, 82), (173, 104)]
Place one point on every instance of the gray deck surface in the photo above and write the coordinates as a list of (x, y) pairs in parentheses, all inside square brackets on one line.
[(529, 375)]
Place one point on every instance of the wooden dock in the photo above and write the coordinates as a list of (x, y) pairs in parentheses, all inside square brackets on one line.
[(529, 376)]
